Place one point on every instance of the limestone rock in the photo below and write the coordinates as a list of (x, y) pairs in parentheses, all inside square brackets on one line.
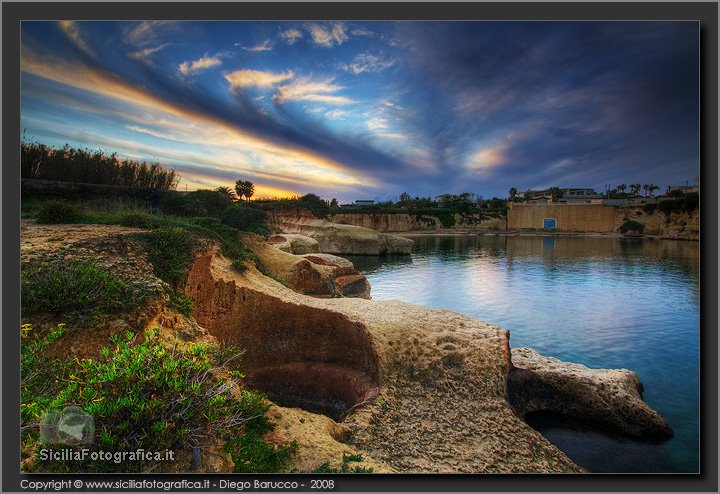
[(335, 238), (319, 275), (294, 244), (417, 389), (610, 398)]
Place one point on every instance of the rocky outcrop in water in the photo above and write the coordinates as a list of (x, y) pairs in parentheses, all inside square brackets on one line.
[(319, 275), (335, 238), (609, 398)]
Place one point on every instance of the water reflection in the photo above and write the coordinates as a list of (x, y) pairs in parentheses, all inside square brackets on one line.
[(603, 302)]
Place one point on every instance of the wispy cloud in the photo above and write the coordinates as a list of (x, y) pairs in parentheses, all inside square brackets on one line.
[(334, 114), (361, 31), (487, 158), (304, 89), (72, 31), (187, 68), (367, 62), (151, 132), (328, 36), (256, 78), (290, 36), (144, 33), (145, 54), (264, 46)]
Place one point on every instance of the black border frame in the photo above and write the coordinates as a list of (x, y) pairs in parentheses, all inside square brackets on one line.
[(704, 12)]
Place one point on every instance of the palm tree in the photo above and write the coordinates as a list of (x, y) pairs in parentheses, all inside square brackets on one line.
[(646, 187), (621, 188), (556, 193), (652, 188), (635, 188), (227, 191), (245, 188), (249, 189), (512, 193)]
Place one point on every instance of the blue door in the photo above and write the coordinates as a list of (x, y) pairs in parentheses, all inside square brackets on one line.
[(550, 223)]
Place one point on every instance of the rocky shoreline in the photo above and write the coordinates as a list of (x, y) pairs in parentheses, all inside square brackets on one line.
[(412, 389)]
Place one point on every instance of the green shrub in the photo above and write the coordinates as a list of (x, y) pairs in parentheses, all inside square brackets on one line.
[(58, 212), (632, 226), (76, 287), (198, 203), (142, 394), (170, 251), (650, 208), (245, 218), (41, 377), (138, 220), (181, 304)]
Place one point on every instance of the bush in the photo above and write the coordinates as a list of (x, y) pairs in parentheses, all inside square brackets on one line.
[(198, 203), (170, 251), (181, 304), (245, 218), (75, 287), (138, 220), (142, 394), (688, 203), (57, 212), (344, 467)]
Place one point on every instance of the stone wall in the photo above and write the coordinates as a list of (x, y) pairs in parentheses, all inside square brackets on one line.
[(583, 218)]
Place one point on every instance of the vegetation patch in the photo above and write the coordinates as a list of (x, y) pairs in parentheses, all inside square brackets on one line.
[(67, 164), (198, 203), (58, 212), (143, 394), (170, 251), (75, 287), (245, 218), (181, 304), (686, 204)]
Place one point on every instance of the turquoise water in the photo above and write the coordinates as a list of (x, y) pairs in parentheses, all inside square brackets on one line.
[(602, 302)]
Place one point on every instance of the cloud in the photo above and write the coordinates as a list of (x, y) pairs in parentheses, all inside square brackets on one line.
[(487, 158), (144, 33), (377, 124), (72, 31), (264, 46), (304, 89), (334, 114), (367, 62), (290, 36), (328, 36), (150, 132), (143, 55), (256, 78), (187, 68), (361, 31)]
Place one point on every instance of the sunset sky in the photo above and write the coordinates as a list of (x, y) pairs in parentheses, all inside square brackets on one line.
[(368, 110)]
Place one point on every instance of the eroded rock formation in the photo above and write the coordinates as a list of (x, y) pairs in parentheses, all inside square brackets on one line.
[(295, 244), (421, 390), (609, 398)]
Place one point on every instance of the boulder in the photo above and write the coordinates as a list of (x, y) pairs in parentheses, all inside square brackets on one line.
[(608, 398), (319, 275), (294, 244)]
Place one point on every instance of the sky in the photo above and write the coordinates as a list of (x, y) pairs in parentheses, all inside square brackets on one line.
[(369, 110)]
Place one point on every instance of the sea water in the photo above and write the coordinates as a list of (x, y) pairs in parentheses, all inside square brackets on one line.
[(602, 302)]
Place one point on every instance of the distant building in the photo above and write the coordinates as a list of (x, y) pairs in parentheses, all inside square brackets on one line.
[(362, 202), (440, 200), (569, 196)]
